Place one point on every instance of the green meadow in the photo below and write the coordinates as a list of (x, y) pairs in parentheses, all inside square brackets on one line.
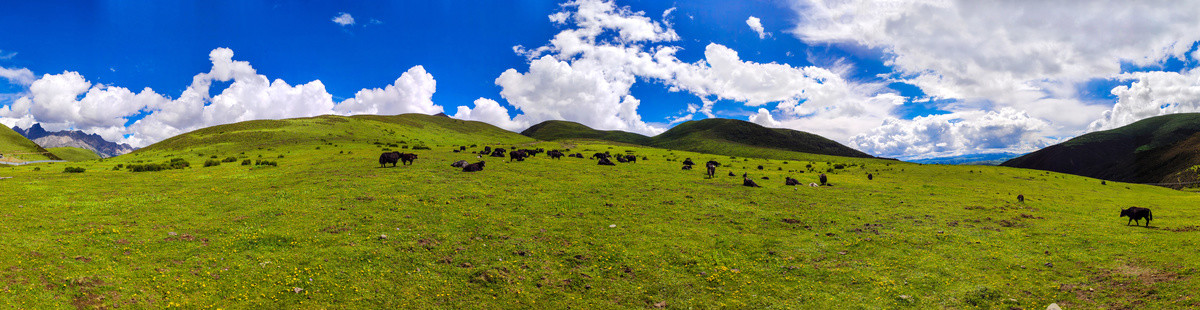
[(298, 214)]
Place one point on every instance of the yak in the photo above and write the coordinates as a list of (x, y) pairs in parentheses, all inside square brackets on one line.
[(791, 182), (459, 164), (824, 180), (621, 159), (605, 162), (599, 156), (750, 183), (517, 155), (473, 167), (1020, 198), (407, 158), (870, 176), (760, 167), (687, 167), (712, 168), (389, 158), (688, 162), (1135, 214), (731, 174), (498, 152), (555, 154)]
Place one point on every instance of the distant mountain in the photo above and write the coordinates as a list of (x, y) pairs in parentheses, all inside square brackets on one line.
[(989, 159), (713, 136), (557, 130), (15, 148), (91, 142), (1162, 149)]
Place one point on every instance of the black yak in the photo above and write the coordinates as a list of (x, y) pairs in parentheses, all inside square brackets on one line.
[(407, 158), (824, 180), (870, 176), (1020, 198), (1135, 214), (498, 152), (389, 158), (749, 182), (555, 154), (631, 158), (791, 182), (760, 167), (688, 162), (473, 167), (712, 168), (486, 150), (731, 174), (517, 155), (687, 167), (459, 164), (605, 162), (621, 159), (599, 156)]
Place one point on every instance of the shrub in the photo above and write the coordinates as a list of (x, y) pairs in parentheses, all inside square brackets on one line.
[(246, 162), (210, 163), (178, 163), (214, 156), (280, 156), (839, 166), (73, 170), (117, 168), (229, 159), (420, 147), (37, 168), (265, 163)]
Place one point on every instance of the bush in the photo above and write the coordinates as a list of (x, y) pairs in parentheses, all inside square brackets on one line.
[(117, 168), (37, 168), (229, 159), (265, 163), (420, 147), (73, 170), (178, 163), (213, 157), (246, 162), (839, 166), (210, 163)]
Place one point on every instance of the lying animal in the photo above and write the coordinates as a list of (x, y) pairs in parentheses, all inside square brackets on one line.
[(749, 182), (459, 164), (605, 162), (473, 167), (791, 182), (1135, 214)]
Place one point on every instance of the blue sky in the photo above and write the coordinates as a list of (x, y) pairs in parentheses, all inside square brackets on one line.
[(873, 78)]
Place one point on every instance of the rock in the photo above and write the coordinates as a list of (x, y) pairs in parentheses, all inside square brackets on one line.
[(297, 290), (172, 233), (660, 305), (905, 297), (382, 237), (1053, 306), (612, 226)]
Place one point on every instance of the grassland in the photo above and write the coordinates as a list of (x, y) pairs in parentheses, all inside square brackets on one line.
[(73, 153), (16, 148), (568, 233)]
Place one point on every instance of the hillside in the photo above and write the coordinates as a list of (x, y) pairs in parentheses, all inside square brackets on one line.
[(559, 130), (73, 153), (16, 148), (325, 227), (713, 136), (1155, 150), (79, 139)]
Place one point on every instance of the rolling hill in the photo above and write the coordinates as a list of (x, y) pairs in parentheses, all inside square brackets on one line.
[(714, 136), (1162, 149), (16, 148), (68, 153)]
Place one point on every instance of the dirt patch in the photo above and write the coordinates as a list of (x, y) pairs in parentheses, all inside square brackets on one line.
[(1128, 286)]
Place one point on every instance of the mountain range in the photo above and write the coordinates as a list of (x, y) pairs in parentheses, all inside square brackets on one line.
[(75, 138)]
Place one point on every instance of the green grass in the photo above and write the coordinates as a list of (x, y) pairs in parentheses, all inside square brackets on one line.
[(73, 153), (16, 148), (565, 233)]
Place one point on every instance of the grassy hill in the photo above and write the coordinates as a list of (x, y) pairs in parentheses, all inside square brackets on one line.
[(16, 148), (713, 136), (73, 153), (328, 228), (1155, 150), (559, 130)]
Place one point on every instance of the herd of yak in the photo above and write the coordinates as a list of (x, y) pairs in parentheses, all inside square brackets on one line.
[(1135, 214)]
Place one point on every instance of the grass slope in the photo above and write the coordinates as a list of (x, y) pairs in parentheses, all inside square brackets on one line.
[(559, 130), (554, 234), (16, 148), (712, 136), (1147, 151), (73, 153)]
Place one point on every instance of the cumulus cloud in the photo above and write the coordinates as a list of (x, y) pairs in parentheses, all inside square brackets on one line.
[(68, 101), (1152, 94), (343, 19), (586, 71), (490, 111), (1026, 55), (954, 134), (756, 25), (21, 76)]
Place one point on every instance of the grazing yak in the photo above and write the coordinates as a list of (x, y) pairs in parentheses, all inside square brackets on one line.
[(389, 158), (621, 159), (870, 176), (631, 158), (605, 162), (1135, 214), (518, 155), (1020, 198), (712, 168), (555, 154), (749, 182), (791, 182), (824, 180), (688, 162), (473, 167), (600, 155), (459, 164), (407, 158)]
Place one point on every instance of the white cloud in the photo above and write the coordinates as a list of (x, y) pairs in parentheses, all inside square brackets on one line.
[(756, 25), (1152, 94), (491, 112), (412, 92), (1025, 55), (21, 76), (68, 101), (6, 56), (343, 19), (954, 134)]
